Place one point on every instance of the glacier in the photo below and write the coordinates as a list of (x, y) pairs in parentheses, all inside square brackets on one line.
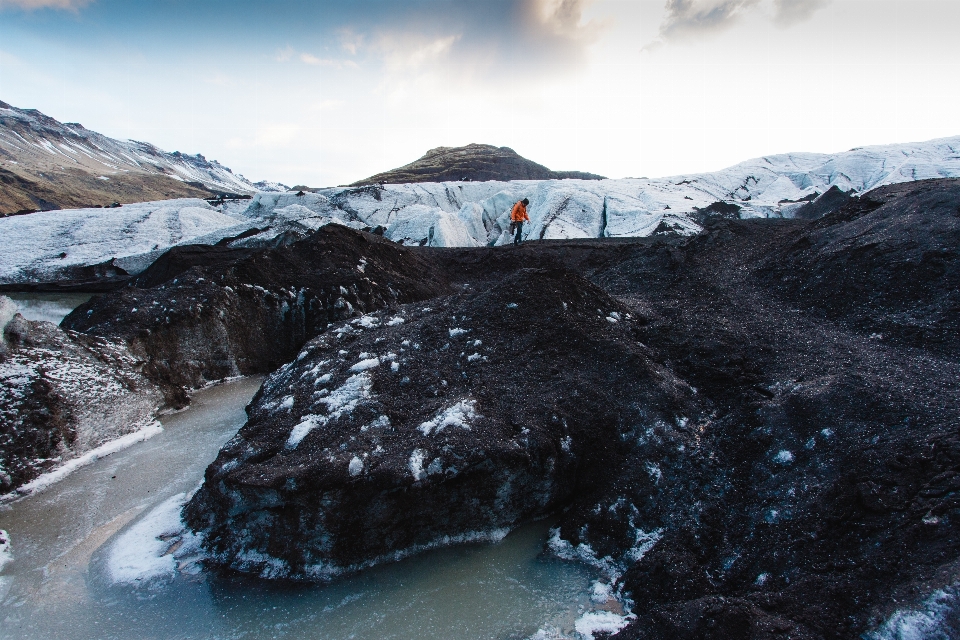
[(461, 214)]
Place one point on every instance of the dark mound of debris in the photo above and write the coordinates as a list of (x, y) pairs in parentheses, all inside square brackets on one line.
[(203, 313), (395, 432)]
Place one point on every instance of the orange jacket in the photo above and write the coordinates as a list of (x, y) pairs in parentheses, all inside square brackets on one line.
[(519, 213)]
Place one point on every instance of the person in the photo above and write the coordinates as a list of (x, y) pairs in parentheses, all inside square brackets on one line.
[(517, 217)]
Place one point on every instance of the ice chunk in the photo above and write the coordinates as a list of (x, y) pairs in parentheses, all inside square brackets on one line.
[(356, 466), (457, 331), (395, 321)]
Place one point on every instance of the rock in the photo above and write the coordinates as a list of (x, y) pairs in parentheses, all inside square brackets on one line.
[(488, 408)]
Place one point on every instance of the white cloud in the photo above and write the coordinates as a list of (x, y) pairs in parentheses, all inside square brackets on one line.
[(32, 5), (309, 58)]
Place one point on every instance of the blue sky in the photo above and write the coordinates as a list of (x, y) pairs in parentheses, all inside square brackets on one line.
[(325, 93)]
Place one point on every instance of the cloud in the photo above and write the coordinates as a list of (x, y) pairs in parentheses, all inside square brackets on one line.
[(686, 18), (696, 18), (32, 5), (791, 12), (309, 58)]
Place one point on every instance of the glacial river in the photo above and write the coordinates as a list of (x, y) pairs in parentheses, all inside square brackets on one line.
[(59, 585)]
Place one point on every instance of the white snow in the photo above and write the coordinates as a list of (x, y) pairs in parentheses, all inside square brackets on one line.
[(145, 551), (395, 321), (341, 401), (305, 426), (42, 482), (415, 464), (458, 415), (599, 621), (457, 331), (368, 363)]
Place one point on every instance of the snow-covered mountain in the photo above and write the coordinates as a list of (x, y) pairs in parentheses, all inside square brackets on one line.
[(46, 164), (449, 214)]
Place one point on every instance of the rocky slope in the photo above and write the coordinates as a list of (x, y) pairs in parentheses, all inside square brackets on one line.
[(46, 164), (205, 313), (62, 395), (753, 431), (474, 162)]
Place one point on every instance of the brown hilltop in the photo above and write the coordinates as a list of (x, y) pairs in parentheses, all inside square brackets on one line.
[(476, 162)]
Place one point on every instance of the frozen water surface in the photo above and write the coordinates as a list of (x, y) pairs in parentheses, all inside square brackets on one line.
[(62, 581), (47, 307)]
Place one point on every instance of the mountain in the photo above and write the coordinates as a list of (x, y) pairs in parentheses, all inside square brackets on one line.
[(474, 162), (46, 164)]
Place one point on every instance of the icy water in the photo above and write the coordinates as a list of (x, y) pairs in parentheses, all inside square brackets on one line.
[(49, 307), (58, 585)]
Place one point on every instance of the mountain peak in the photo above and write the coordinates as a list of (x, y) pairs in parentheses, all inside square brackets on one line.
[(474, 162)]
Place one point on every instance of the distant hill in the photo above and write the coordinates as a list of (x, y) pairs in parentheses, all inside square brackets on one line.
[(476, 162), (46, 164)]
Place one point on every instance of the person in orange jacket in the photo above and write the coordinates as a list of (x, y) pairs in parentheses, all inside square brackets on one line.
[(517, 217)]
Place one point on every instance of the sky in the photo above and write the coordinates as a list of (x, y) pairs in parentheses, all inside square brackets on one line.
[(323, 93)]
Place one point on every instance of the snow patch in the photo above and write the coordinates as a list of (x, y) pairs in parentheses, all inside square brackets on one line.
[(416, 464), (459, 415), (368, 363)]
